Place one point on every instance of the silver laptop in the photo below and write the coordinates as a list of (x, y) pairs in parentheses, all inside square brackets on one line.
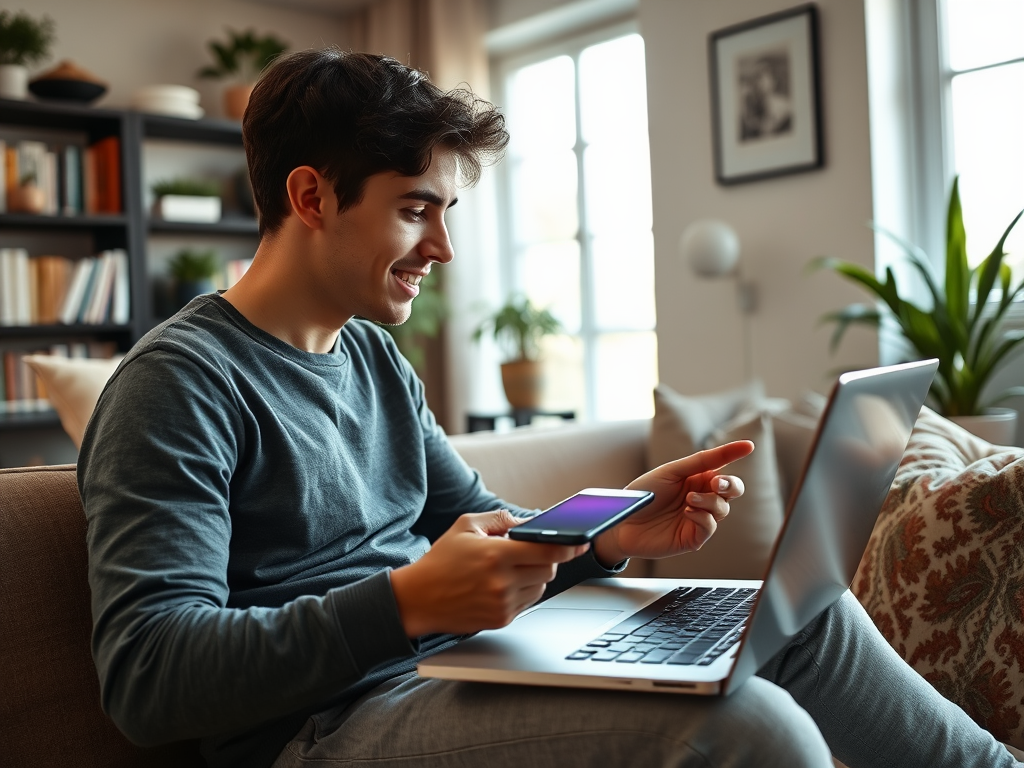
[(707, 636)]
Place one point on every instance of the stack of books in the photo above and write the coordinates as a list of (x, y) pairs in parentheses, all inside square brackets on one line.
[(48, 290), (75, 180)]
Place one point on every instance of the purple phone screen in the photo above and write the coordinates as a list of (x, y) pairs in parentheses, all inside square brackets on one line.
[(580, 513)]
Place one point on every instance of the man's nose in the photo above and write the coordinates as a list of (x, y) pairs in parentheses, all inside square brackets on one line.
[(438, 246)]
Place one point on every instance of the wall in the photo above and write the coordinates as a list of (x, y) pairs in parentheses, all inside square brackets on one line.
[(782, 223), (131, 43)]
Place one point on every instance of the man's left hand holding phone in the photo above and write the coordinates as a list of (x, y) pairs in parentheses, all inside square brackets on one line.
[(478, 576)]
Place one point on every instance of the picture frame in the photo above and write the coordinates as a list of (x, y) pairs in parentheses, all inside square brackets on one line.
[(766, 97)]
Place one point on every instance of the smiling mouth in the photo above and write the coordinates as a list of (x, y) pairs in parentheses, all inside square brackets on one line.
[(407, 277)]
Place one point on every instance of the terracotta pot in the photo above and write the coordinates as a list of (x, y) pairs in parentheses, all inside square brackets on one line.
[(997, 425), (524, 383), (28, 198), (236, 99)]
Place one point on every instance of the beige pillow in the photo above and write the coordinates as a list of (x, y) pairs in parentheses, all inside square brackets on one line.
[(743, 542), (73, 386), (683, 423)]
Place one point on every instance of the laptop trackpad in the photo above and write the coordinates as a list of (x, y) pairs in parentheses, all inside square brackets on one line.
[(545, 621)]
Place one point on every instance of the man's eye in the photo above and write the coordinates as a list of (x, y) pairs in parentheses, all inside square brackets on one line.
[(416, 213)]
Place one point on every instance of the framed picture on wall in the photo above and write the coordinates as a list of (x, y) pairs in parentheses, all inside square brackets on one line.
[(765, 96)]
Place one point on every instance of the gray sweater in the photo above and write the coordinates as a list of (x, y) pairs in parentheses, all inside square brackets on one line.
[(246, 501)]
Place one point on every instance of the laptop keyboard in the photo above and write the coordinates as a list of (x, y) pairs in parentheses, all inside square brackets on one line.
[(689, 625)]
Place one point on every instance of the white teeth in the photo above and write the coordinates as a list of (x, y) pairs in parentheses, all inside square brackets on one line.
[(408, 277)]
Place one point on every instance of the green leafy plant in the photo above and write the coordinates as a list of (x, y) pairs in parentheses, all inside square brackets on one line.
[(244, 55), (518, 327), (24, 40), (429, 309), (188, 266), (191, 187), (966, 338)]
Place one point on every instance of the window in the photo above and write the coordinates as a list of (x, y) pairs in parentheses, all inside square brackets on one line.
[(577, 217), (983, 75)]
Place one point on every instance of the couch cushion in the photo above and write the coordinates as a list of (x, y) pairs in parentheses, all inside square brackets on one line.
[(49, 696), (943, 573), (536, 467)]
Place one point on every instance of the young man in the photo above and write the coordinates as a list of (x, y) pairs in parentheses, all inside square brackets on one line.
[(278, 529)]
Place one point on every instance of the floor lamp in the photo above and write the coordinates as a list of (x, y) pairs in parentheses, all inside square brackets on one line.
[(712, 249)]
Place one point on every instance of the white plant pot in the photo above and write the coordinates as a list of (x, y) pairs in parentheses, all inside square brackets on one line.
[(13, 81), (189, 208), (997, 425)]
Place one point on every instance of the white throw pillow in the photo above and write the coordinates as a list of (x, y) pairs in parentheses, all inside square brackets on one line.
[(741, 546), (73, 386), (683, 423)]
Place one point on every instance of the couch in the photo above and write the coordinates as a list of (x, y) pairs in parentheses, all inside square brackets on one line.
[(49, 699)]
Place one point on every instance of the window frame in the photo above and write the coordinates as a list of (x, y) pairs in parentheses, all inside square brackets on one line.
[(502, 65)]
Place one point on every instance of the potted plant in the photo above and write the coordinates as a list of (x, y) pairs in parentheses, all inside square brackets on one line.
[(23, 41), (243, 57), (184, 199), (966, 338), (193, 273), (518, 326)]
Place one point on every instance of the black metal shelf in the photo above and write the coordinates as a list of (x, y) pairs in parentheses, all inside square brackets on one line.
[(128, 230), (212, 131), (83, 221), (29, 420), (229, 225), (78, 329)]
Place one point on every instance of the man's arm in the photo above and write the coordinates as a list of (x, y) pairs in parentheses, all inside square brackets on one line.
[(174, 660)]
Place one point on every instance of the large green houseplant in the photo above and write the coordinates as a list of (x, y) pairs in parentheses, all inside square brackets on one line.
[(963, 331), (518, 326)]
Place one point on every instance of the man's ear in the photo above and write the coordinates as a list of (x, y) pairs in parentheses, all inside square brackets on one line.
[(309, 194)]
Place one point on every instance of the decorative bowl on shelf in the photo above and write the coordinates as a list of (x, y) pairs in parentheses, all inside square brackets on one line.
[(68, 82), (173, 100)]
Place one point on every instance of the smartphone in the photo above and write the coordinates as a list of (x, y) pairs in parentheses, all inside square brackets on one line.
[(580, 518)]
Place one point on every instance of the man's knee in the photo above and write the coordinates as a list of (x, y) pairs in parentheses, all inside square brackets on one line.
[(764, 726)]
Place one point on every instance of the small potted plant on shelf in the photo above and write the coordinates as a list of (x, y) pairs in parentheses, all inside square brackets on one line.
[(518, 326), (23, 41), (27, 196), (193, 273), (243, 57), (192, 200), (965, 336)]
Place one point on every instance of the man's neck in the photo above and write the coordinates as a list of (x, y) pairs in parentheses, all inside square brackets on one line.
[(273, 296)]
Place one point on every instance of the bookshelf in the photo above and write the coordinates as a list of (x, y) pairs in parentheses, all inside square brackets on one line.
[(146, 241)]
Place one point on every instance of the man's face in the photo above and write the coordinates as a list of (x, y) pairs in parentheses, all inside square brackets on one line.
[(378, 250)]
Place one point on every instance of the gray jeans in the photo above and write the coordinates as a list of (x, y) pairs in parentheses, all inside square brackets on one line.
[(837, 687)]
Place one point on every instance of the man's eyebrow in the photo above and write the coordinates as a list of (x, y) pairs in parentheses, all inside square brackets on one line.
[(428, 197)]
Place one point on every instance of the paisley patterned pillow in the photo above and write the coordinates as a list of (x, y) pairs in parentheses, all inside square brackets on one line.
[(943, 574)]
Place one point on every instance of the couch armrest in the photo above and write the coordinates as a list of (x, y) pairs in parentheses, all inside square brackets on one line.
[(539, 466)]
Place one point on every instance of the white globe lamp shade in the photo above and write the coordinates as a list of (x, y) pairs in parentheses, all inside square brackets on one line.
[(711, 247)]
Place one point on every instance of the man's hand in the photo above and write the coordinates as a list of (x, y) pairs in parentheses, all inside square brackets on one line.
[(475, 578), (690, 499)]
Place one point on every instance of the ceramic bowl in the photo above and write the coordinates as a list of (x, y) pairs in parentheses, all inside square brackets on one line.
[(67, 90)]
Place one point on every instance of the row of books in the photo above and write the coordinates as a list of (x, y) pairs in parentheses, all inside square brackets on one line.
[(74, 179), (47, 290), (21, 391)]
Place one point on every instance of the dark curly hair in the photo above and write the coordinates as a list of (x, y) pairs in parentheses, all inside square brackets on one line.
[(353, 115)]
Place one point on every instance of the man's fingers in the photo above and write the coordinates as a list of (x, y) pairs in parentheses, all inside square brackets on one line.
[(727, 486), (496, 523), (532, 553), (715, 458)]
